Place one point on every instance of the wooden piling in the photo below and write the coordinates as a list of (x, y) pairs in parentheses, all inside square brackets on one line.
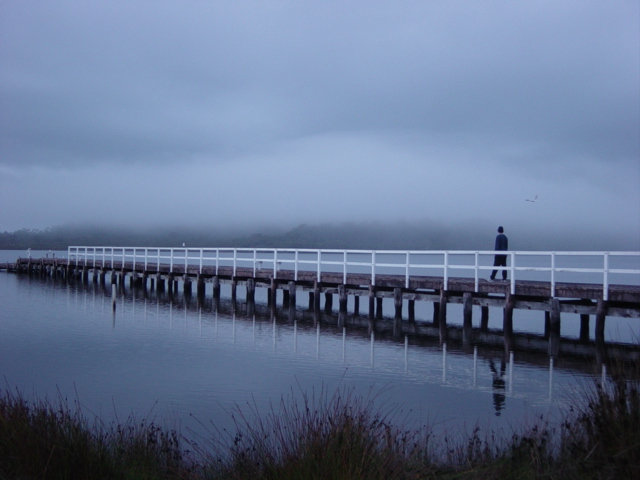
[(442, 315), (467, 301), (273, 293), (507, 323), (328, 301), (554, 328), (292, 294), (342, 298), (372, 298), (411, 310), (216, 287), (584, 328), (234, 288), (397, 302), (251, 290), (316, 295)]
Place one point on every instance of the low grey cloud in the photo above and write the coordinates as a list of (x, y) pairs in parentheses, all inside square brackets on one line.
[(448, 110)]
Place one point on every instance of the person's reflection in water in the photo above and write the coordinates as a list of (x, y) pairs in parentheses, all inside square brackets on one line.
[(499, 395)]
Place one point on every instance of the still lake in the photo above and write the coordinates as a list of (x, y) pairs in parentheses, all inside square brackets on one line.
[(192, 364)]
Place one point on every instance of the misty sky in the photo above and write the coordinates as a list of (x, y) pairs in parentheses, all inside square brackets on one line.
[(286, 112)]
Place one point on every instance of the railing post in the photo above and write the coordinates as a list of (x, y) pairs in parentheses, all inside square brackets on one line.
[(553, 274), (344, 267), (319, 257), (513, 273), (146, 258), (255, 258), (605, 286), (275, 263), (446, 270), (373, 268), (477, 273), (235, 255), (201, 255), (171, 261), (295, 275), (406, 281)]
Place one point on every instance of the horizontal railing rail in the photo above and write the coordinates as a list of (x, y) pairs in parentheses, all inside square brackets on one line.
[(588, 267)]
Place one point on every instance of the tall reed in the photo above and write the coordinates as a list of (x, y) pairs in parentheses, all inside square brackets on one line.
[(52, 440)]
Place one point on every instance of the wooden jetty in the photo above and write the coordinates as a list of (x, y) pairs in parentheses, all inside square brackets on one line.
[(404, 276)]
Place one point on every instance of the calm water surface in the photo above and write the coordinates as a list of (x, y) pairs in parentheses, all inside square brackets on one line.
[(193, 364)]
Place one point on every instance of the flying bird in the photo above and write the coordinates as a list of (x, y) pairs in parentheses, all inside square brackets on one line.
[(534, 199)]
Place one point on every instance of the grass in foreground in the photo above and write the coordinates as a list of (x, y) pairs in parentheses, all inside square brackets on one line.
[(339, 436)]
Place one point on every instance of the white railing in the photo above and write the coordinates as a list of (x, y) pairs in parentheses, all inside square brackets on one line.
[(582, 267)]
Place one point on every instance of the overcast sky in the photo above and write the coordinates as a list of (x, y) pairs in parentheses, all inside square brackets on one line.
[(286, 112)]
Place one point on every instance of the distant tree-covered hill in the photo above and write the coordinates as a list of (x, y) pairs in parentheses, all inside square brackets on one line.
[(346, 235), (369, 236)]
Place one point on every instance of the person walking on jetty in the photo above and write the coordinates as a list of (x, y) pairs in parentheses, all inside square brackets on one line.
[(502, 243)]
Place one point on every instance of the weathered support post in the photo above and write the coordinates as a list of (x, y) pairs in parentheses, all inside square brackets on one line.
[(397, 302), (160, 284), (285, 298), (234, 289), (170, 283), (484, 318), (467, 326), (372, 298), (216, 287), (411, 307), (436, 314), (102, 276), (188, 285), (507, 323), (356, 305), (554, 328), (601, 315), (316, 295), (547, 324), (342, 298), (114, 277), (328, 301), (584, 328), (273, 293), (292, 294), (311, 300), (378, 307), (442, 315), (251, 290)]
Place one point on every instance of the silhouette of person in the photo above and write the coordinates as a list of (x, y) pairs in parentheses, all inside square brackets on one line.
[(502, 243), (499, 394)]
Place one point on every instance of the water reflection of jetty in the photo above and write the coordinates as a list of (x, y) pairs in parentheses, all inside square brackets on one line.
[(458, 361)]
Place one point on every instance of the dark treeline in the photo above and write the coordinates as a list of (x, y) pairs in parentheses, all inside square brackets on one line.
[(346, 235), (369, 236)]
